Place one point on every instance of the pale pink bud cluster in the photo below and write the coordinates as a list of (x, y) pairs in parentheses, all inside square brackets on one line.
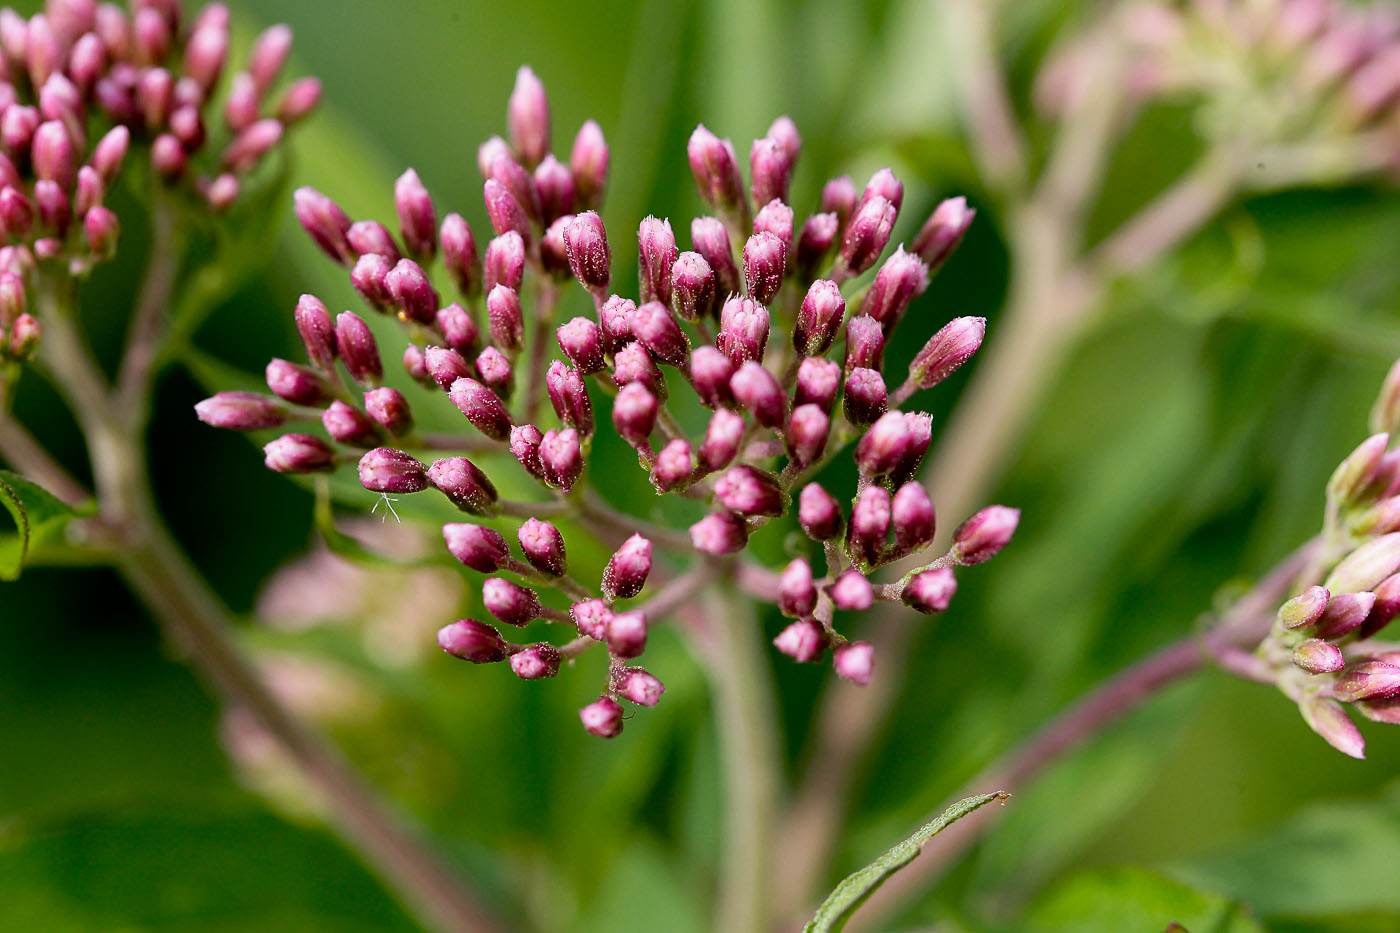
[(698, 337)]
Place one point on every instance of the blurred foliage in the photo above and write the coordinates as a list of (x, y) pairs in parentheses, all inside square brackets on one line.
[(1182, 450)]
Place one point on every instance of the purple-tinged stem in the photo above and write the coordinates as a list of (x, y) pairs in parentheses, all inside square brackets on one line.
[(546, 299), (153, 303)]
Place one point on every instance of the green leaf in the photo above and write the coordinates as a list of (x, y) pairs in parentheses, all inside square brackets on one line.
[(847, 897), (37, 515), (1118, 899)]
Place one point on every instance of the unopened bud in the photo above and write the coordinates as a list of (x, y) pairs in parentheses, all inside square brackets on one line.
[(480, 548), (556, 189), (770, 167), (472, 641), (819, 513), (952, 346), (1384, 609), (626, 634), (722, 438), (636, 685), (901, 279), (464, 484), (711, 240), (507, 319), (495, 371), (807, 431), (865, 343), (389, 409), (525, 447), (561, 458), (299, 453), (852, 591), (912, 513), (417, 217), (1368, 680), (867, 234), (588, 163), (866, 399), (692, 287), (710, 373), (804, 641), (458, 328), (591, 617), (358, 349), (445, 366), (568, 396), (820, 316), (634, 414), (536, 662), (984, 534), (299, 385), (627, 569), (1355, 472), (658, 331), (796, 594), (930, 591), (716, 170), (590, 259), (656, 254), (870, 526), (582, 342), (632, 364), (719, 533), (615, 322), (1366, 566), (459, 254), (942, 232), (1344, 614), (504, 210), (241, 411), (1318, 657), (743, 330), (776, 218), (325, 222), (412, 292), (528, 117), (855, 662), (510, 602), (759, 392), (765, 258), (749, 491), (483, 408), (602, 718), (505, 261), (674, 465), (387, 470)]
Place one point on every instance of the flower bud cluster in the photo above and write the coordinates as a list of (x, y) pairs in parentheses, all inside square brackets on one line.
[(1323, 651), (761, 331), (82, 82), (1268, 74)]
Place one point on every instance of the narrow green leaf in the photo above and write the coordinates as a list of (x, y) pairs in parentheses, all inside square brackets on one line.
[(35, 512), (847, 897)]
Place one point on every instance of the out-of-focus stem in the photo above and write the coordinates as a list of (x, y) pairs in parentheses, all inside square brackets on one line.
[(546, 298), (28, 457), (1243, 626), (745, 722), (192, 617), (982, 97), (153, 301)]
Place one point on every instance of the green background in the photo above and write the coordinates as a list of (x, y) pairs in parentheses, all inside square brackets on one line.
[(1182, 449)]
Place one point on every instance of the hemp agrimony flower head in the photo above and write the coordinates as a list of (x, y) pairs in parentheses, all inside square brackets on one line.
[(748, 336), (1323, 652), (1268, 73), (80, 83)]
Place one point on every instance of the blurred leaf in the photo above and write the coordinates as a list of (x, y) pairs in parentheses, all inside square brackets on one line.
[(1330, 859), (37, 515), (222, 871), (1121, 899), (832, 915)]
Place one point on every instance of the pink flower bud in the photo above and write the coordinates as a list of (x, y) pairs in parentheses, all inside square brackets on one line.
[(348, 425), (516, 179), (459, 254), (12, 298), (504, 210), (205, 53), (796, 594), (458, 328), (628, 568), (912, 513), (268, 55), (55, 212), (480, 548), (719, 533), (818, 319), (804, 641), (884, 184), (855, 662), (299, 453), (16, 213), (656, 254), (387, 470), (325, 222), (370, 277), (615, 323), (371, 236), (412, 292), (241, 411), (980, 537), (587, 245), (852, 591), (930, 591), (818, 381), (249, 146), (389, 409), (806, 434), (865, 343), (711, 240), (602, 718), (483, 408), (819, 513), (952, 346), (674, 465), (866, 399), (919, 432), (627, 634), (633, 363), (1344, 614), (1368, 680), (528, 117), (870, 526), (867, 234), (464, 484), (743, 330), (1384, 609), (495, 371), (1318, 657), (554, 254), (505, 261), (472, 641), (543, 546), (510, 602), (692, 287), (561, 458), (591, 617), (883, 445), (358, 349), (417, 219), (507, 320), (582, 342), (901, 279), (169, 160), (101, 230), (758, 391), (568, 396), (1328, 719), (765, 258), (659, 332), (300, 99), (942, 232), (556, 189), (488, 152), (110, 152), (776, 218), (525, 447), (536, 662), (634, 414), (710, 374), (770, 166), (1366, 566), (299, 385), (1355, 473), (818, 236), (52, 154), (445, 366), (636, 685), (317, 332), (588, 163), (749, 492), (17, 127), (716, 170), (87, 61)]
